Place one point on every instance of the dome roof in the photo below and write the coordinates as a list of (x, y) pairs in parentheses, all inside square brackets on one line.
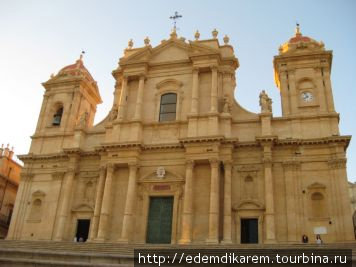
[(300, 43), (77, 69)]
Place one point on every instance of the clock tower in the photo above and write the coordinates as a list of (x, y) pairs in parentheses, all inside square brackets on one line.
[(302, 73)]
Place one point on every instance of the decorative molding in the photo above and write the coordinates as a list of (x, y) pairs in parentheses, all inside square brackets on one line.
[(337, 163), (248, 204), (291, 165), (58, 175), (316, 185)]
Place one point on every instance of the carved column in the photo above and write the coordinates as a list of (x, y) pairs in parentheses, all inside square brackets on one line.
[(227, 203), (214, 89), (187, 219), (122, 101), (64, 206), (213, 236), (195, 92), (138, 110), (269, 197), (106, 204), (129, 204), (98, 202)]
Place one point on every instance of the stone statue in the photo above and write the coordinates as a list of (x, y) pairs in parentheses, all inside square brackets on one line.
[(83, 121), (265, 102), (226, 108), (113, 113)]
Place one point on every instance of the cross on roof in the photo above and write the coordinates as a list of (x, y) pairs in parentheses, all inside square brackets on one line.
[(174, 18)]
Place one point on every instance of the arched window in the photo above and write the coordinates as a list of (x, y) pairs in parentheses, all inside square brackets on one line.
[(318, 205), (57, 117), (168, 107)]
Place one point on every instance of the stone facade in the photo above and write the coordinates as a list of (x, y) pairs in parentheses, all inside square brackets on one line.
[(9, 181), (175, 130)]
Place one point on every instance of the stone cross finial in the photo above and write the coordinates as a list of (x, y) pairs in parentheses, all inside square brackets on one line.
[(147, 41), (226, 39), (197, 35), (297, 30), (130, 44), (215, 33)]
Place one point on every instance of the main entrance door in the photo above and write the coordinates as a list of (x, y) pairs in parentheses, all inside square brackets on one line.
[(249, 231), (82, 230), (159, 227)]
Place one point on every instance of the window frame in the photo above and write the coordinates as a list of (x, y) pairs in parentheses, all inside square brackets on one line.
[(161, 105)]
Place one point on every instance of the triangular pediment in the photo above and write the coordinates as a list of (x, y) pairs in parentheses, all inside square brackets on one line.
[(170, 50)]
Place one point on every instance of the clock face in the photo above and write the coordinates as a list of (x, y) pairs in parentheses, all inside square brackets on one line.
[(307, 96)]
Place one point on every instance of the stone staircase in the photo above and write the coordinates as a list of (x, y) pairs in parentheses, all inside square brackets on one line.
[(51, 253)]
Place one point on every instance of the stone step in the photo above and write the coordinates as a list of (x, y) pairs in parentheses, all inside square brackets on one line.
[(52, 253)]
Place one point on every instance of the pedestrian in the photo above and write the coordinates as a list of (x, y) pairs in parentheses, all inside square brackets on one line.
[(318, 240), (305, 239)]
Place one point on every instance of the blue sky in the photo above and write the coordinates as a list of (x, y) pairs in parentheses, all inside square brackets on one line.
[(38, 38)]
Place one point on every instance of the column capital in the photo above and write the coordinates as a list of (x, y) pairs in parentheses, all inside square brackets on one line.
[(71, 170), (195, 70), (133, 165), (214, 68), (102, 169), (110, 167), (339, 163), (141, 76), (189, 163), (227, 163), (214, 162)]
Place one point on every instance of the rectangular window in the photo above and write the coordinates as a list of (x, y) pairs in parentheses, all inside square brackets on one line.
[(168, 107)]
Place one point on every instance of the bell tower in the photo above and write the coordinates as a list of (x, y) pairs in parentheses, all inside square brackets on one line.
[(302, 73), (69, 103)]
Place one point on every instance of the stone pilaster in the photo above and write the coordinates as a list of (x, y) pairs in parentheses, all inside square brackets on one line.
[(122, 100), (129, 204), (227, 203), (338, 167), (98, 202), (106, 204), (195, 92), (269, 195), (213, 236), (138, 110), (187, 219), (65, 204), (214, 89), (293, 220)]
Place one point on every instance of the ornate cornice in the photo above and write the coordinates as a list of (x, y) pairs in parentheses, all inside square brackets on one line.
[(202, 139)]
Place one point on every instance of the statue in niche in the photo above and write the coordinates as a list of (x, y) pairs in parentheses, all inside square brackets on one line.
[(226, 108), (83, 121), (113, 113), (265, 102)]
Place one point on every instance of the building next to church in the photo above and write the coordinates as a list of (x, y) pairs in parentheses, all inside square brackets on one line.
[(178, 160), (9, 181)]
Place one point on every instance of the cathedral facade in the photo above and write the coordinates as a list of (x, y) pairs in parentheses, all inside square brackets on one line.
[(177, 160)]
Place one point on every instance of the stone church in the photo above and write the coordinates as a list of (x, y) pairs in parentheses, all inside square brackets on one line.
[(178, 160)]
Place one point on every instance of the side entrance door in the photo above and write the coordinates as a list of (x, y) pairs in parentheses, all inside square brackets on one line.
[(249, 231), (159, 227)]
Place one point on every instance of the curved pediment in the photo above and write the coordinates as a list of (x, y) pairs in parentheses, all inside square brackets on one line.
[(38, 193), (248, 204), (316, 185), (83, 207), (158, 176)]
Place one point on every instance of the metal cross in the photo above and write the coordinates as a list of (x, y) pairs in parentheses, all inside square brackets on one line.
[(174, 18)]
